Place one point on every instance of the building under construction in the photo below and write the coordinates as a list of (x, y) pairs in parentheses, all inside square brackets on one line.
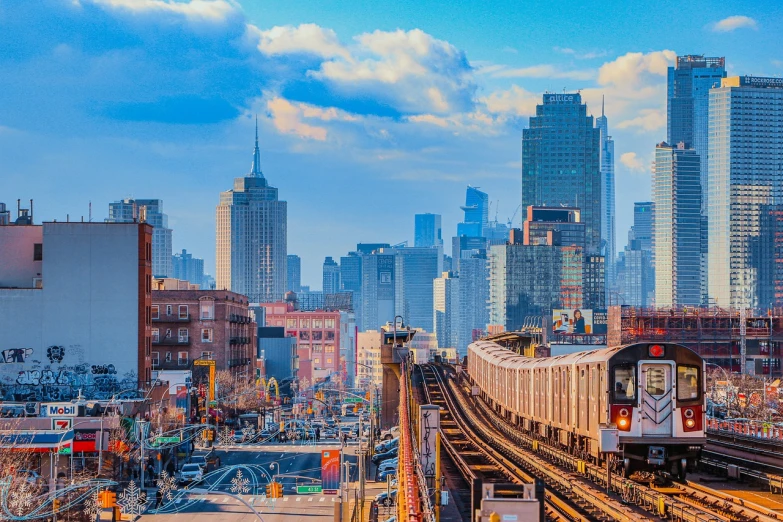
[(716, 334)]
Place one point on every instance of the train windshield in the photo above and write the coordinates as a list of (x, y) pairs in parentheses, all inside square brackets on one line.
[(687, 382), (624, 383)]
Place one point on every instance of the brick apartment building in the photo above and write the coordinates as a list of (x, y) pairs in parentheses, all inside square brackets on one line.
[(190, 324)]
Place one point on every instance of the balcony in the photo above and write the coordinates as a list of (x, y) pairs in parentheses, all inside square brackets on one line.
[(172, 341), (239, 340), (233, 363), (241, 319), (173, 318)]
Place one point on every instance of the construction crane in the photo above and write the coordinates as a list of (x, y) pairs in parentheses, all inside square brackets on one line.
[(511, 219)]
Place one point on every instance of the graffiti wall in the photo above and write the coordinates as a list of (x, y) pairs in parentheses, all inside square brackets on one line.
[(59, 373)]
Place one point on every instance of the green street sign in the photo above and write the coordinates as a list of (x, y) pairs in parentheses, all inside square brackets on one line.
[(308, 489), (167, 440), (353, 400), (213, 404), (64, 450)]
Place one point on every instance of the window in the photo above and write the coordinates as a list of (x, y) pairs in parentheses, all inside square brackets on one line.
[(655, 382), (155, 335), (624, 383), (169, 309), (317, 361), (168, 334), (182, 359), (183, 311), (329, 348), (687, 382), (168, 356), (316, 348), (155, 312), (329, 323), (330, 335), (183, 335), (290, 323), (206, 335), (207, 309), (208, 355), (155, 358), (318, 335), (318, 323), (304, 336), (37, 252), (328, 360), (304, 323)]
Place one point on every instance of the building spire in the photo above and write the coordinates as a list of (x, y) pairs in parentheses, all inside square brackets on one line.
[(602, 115), (255, 168)]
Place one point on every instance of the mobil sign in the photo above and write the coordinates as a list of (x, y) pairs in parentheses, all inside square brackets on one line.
[(60, 409)]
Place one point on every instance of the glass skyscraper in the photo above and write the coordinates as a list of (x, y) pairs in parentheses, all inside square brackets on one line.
[(132, 210), (608, 231), (746, 182), (331, 279), (427, 230), (677, 226), (561, 162), (294, 272), (476, 213)]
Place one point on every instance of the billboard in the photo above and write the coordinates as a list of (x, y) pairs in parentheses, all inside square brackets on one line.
[(330, 471), (579, 321)]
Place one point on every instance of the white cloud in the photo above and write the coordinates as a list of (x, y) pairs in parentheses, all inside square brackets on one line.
[(632, 161), (516, 101), (287, 119), (544, 71), (734, 22), (648, 120), (193, 10), (308, 38), (590, 55), (635, 69)]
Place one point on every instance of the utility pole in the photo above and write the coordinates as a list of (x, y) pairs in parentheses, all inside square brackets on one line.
[(743, 332), (141, 445)]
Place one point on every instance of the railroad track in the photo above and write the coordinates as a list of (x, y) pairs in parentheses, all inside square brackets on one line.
[(678, 504), (569, 497)]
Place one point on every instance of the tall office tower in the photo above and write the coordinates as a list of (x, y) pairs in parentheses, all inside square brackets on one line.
[(460, 243), (637, 269), (476, 213), (561, 162), (677, 226), (446, 310), (642, 224), (294, 273), (251, 237), (474, 295), (378, 288), (331, 276), (427, 230), (351, 281), (768, 256), (687, 107), (746, 154), (608, 232), (151, 211), (415, 269), (187, 268)]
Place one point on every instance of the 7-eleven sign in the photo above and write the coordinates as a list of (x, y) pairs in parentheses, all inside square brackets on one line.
[(62, 424)]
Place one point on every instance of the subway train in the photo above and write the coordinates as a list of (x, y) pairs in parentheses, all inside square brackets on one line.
[(652, 392)]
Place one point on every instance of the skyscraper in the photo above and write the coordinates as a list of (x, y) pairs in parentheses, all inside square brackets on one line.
[(677, 226), (476, 213), (746, 181), (188, 268), (294, 273), (427, 230), (687, 107), (608, 232), (446, 318), (642, 224), (561, 162), (251, 237), (331, 279), (636, 287), (473, 299), (151, 211), (415, 269), (351, 281)]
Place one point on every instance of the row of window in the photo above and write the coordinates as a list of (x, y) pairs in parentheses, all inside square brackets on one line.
[(182, 357), (315, 336), (317, 361), (182, 335), (304, 322), (206, 310)]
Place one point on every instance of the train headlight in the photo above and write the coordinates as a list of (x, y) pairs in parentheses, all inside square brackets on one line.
[(622, 422), (690, 423)]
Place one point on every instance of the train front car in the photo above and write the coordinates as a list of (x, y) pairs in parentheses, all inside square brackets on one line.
[(657, 401)]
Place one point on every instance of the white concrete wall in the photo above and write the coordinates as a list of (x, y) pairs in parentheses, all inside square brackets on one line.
[(17, 268), (82, 327)]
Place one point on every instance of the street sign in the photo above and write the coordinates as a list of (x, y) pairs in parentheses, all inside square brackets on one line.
[(213, 404), (167, 440), (353, 400), (64, 450), (62, 424), (301, 490)]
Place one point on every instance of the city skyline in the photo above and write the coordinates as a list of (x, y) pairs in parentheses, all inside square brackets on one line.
[(176, 135)]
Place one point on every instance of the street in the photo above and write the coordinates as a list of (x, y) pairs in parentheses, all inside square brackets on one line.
[(229, 496)]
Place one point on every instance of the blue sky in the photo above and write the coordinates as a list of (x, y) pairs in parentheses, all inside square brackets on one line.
[(369, 112)]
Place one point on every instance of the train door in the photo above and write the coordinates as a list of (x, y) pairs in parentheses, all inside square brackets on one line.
[(656, 404)]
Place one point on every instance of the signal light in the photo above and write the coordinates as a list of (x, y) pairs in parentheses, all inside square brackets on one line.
[(56, 505), (623, 423), (269, 491), (690, 423), (656, 350)]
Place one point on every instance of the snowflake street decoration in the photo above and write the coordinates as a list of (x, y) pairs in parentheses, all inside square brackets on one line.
[(248, 432), (22, 499), (226, 437), (132, 500), (166, 485), (92, 507), (239, 484)]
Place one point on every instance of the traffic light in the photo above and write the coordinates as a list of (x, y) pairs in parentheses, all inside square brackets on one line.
[(277, 490), (269, 490), (56, 505), (107, 499)]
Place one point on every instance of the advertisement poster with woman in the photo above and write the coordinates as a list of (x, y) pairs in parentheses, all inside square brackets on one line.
[(573, 321)]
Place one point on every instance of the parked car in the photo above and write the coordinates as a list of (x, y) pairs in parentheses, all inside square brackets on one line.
[(380, 457), (207, 461), (190, 473), (392, 433), (329, 433), (386, 499), (388, 472), (388, 445), (387, 464)]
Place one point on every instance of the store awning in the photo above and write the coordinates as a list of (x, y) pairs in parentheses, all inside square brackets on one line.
[(39, 441)]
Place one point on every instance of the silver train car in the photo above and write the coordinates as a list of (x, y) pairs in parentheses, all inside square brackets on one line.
[(652, 392)]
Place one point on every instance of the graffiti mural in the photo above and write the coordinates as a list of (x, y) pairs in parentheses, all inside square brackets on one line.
[(55, 354), (16, 355)]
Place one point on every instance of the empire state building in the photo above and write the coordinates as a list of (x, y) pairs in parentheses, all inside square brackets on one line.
[(251, 246)]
